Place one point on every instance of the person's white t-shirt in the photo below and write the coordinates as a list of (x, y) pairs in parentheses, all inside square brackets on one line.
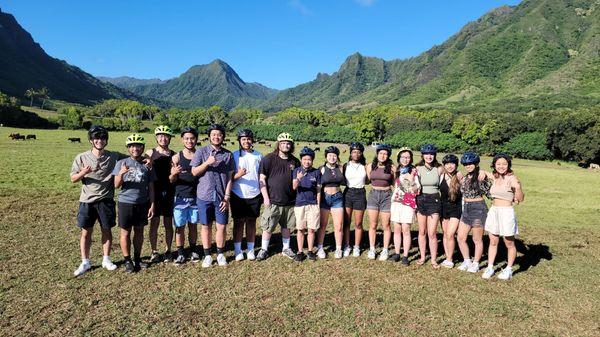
[(247, 186)]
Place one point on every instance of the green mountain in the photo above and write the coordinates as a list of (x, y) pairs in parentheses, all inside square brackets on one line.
[(25, 65), (215, 83), (126, 82), (539, 53)]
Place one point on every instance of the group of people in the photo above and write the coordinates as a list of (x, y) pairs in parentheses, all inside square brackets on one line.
[(200, 186)]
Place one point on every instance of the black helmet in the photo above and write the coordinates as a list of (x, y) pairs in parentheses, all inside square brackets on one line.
[(215, 127), (189, 129), (384, 147), (307, 151), (98, 132), (332, 149), (245, 133), (450, 158), (501, 155), (469, 158), (428, 149), (357, 146)]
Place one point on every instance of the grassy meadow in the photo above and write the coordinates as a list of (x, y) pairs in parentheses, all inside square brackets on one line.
[(555, 289)]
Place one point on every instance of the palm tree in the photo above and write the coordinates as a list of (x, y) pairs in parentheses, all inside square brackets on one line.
[(30, 93), (44, 94)]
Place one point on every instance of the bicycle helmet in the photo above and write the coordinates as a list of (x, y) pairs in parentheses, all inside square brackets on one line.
[(384, 147), (135, 139), (285, 137), (450, 158), (97, 132), (357, 146), (307, 151), (215, 127), (428, 149), (332, 149), (469, 158), (245, 133), (164, 130), (189, 129)]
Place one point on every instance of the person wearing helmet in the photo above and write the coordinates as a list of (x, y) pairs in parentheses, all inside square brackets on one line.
[(136, 200), (355, 196), (214, 166), (163, 193), (332, 200), (246, 198), (474, 186), (451, 205), (93, 168), (404, 204), (307, 184), (185, 210), (428, 202), (381, 174), (279, 197), (501, 219)]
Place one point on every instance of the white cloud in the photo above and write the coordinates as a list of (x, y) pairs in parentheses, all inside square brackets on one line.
[(365, 3), (300, 7)]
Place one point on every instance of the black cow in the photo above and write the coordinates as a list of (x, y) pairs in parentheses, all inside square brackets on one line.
[(74, 139), (31, 137)]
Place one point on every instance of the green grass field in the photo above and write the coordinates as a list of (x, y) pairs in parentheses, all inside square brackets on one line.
[(555, 291)]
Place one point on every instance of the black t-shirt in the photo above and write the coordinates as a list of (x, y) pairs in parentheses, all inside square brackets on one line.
[(279, 178)]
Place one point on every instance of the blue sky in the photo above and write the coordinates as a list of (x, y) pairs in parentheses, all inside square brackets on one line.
[(279, 43)]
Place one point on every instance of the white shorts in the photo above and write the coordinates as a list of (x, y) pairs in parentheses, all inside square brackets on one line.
[(401, 213), (501, 220)]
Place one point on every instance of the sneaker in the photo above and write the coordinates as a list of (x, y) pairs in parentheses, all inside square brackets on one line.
[(195, 257), (383, 256), (394, 258), (321, 254), (108, 265), (239, 257), (464, 265), (299, 257), (474, 267), (155, 257), (405, 261), (250, 255), (83, 267), (179, 260), (505, 274), (338, 254), (311, 256), (371, 255), (488, 273), (447, 264), (207, 262), (168, 256), (289, 253), (347, 251), (262, 255), (129, 268), (139, 265), (356, 251), (221, 260)]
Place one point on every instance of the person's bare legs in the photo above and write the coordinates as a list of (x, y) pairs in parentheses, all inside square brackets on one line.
[(106, 242), (338, 222), (397, 237), (373, 219), (168, 223), (153, 233), (478, 241), (358, 227), (449, 227), (387, 230), (85, 242), (432, 222), (324, 219), (422, 220), (406, 239), (461, 238), (492, 249), (509, 241)]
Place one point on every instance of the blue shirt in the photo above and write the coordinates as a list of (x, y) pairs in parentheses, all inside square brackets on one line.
[(306, 194), (213, 182), (136, 181)]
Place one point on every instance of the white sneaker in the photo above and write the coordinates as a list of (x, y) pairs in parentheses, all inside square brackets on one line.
[(488, 273), (371, 255), (250, 255), (108, 265), (465, 265), (347, 251), (321, 254), (238, 257), (447, 264), (207, 262), (338, 254), (356, 251), (474, 267), (383, 256), (505, 274), (83, 267), (222, 261)]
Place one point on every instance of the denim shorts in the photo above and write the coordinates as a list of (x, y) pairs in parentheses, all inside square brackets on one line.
[(185, 211), (329, 201), (208, 211), (429, 204), (380, 200), (355, 198), (474, 213)]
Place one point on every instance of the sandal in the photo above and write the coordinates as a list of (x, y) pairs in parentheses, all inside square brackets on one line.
[(420, 262)]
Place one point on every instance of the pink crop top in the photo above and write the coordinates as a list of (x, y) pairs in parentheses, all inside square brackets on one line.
[(503, 191)]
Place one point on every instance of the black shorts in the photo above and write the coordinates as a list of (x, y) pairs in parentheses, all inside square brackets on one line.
[(133, 215), (355, 198), (245, 208), (101, 210), (429, 204), (451, 210), (163, 203)]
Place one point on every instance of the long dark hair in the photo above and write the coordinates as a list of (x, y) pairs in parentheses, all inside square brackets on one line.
[(434, 163), (388, 165), (474, 176), (410, 165), (454, 186)]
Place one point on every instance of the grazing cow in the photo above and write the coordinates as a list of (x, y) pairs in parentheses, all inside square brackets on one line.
[(31, 137), (74, 139), (344, 151), (317, 149), (232, 143), (594, 166)]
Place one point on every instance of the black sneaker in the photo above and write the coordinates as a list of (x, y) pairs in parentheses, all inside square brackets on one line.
[(180, 260), (405, 260), (138, 265), (312, 256), (299, 257), (129, 267), (168, 256), (155, 257), (394, 258), (262, 255)]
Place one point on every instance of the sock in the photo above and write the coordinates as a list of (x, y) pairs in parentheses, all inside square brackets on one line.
[(372, 248), (286, 243), (193, 247), (250, 246), (338, 247), (206, 252), (85, 261), (508, 268), (237, 247), (180, 250), (265, 244), (105, 258), (219, 250), (319, 246), (136, 256), (467, 261), (127, 258)]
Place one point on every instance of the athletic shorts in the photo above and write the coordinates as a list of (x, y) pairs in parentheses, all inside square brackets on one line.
[(208, 211), (163, 204), (132, 215), (101, 210), (242, 208), (329, 201), (185, 211), (401, 213), (429, 204), (451, 210), (474, 213), (274, 215), (307, 216), (355, 198), (380, 200), (501, 220)]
